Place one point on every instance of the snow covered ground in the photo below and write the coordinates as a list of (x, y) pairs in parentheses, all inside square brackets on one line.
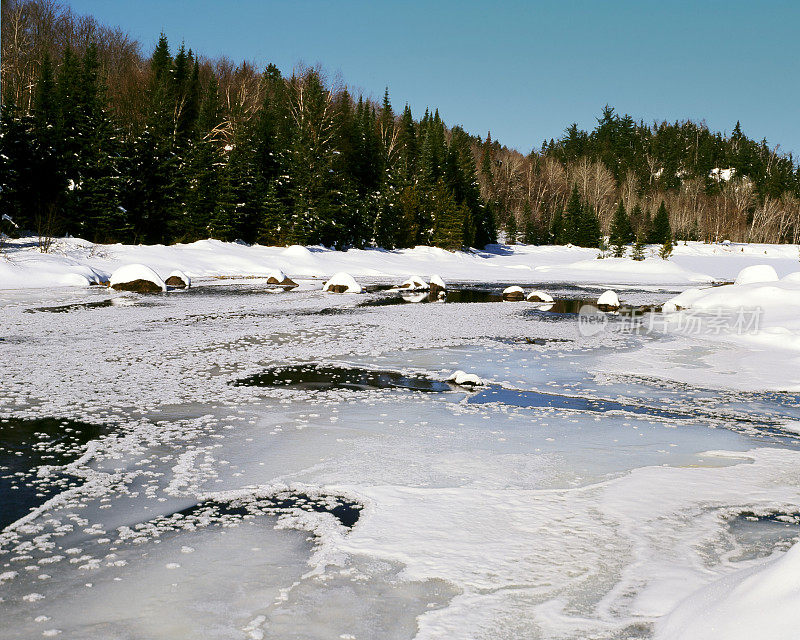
[(73, 262), (618, 484)]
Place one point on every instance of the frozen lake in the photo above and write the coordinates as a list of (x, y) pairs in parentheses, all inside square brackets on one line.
[(234, 462)]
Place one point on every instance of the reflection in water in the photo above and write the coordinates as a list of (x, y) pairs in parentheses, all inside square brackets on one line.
[(25, 445), (325, 377)]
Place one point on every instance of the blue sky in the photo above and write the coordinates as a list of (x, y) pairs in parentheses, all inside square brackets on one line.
[(524, 70)]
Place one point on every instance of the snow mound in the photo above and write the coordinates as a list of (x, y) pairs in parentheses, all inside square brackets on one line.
[(178, 279), (414, 283), (792, 277), (342, 283), (539, 296), (297, 251), (513, 293), (463, 378), (608, 299), (757, 273), (437, 284), (759, 602), (130, 274)]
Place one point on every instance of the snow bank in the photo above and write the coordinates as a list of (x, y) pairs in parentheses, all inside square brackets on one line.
[(34, 270), (342, 283), (691, 263), (130, 273), (757, 273), (760, 602)]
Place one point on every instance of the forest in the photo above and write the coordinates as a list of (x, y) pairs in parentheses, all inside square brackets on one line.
[(101, 141)]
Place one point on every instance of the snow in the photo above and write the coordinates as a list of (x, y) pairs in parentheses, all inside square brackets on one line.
[(132, 272), (414, 283), (609, 299), (514, 289), (539, 296), (479, 519), (23, 266), (437, 281), (342, 279), (757, 273), (177, 273), (723, 175), (462, 378), (758, 602)]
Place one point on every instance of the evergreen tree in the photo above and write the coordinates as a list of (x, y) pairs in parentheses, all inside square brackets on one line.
[(511, 229), (572, 218), (557, 229), (666, 249), (448, 218), (621, 230), (588, 233), (637, 253), (661, 230)]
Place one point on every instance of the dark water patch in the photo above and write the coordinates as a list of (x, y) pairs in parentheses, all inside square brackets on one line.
[(531, 340), (761, 534), (423, 297), (347, 512), (573, 306), (26, 445), (239, 289), (314, 377), (539, 400), (767, 428), (66, 308)]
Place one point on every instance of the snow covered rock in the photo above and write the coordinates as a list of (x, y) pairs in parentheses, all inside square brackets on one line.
[(759, 602), (464, 379), (138, 278), (414, 283), (757, 273), (280, 278), (539, 296), (178, 279), (437, 285), (342, 283), (609, 300), (513, 294)]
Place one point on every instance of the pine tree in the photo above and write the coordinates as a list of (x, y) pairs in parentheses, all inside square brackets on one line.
[(47, 170), (448, 218), (588, 232), (621, 230), (661, 230), (572, 218), (557, 230), (637, 253), (666, 249)]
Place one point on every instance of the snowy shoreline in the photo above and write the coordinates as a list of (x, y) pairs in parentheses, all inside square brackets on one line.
[(75, 262)]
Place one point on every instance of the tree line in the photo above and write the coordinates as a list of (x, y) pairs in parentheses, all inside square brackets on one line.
[(99, 141)]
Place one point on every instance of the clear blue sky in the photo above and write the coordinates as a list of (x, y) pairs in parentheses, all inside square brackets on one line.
[(524, 70)]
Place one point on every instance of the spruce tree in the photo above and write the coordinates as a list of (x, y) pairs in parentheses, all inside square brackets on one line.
[(621, 230), (637, 253), (588, 232), (511, 229), (557, 230), (661, 231), (572, 218)]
